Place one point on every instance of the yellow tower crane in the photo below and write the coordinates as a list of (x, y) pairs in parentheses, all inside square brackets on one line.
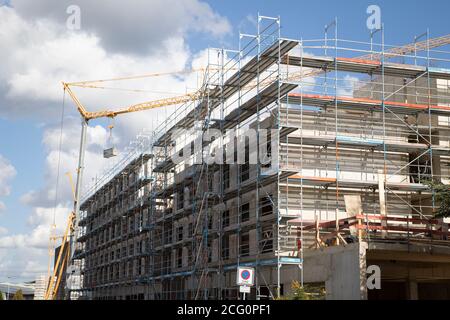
[(69, 237), (63, 254)]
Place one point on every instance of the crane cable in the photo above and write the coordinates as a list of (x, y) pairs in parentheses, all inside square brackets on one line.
[(95, 84), (59, 155), (110, 143), (53, 226), (129, 90), (149, 75)]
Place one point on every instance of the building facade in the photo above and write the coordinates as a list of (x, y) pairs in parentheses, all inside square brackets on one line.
[(357, 145)]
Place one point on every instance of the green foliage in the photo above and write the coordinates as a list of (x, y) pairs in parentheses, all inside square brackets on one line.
[(442, 197), (18, 295), (1, 296), (307, 292)]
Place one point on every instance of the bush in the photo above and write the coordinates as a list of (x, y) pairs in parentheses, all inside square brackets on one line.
[(307, 292), (18, 295), (1, 296), (442, 196)]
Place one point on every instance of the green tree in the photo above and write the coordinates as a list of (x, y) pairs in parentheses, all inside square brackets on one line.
[(1, 296), (442, 197), (18, 295)]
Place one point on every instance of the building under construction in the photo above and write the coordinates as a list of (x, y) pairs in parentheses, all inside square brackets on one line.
[(359, 140)]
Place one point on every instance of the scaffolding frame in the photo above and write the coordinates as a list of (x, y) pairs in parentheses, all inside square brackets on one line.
[(383, 141), (331, 114)]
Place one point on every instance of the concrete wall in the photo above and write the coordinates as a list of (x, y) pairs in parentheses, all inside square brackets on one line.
[(342, 269)]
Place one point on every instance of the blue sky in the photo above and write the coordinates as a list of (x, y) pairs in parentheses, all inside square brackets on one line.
[(403, 19), (26, 118), (20, 142)]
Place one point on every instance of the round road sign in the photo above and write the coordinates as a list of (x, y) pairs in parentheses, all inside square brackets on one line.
[(245, 274)]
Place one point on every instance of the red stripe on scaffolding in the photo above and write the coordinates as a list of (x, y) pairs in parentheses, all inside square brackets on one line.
[(370, 101), (319, 179), (360, 222), (400, 219), (360, 61)]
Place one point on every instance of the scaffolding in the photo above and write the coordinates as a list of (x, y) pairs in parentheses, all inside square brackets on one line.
[(199, 196), (112, 240), (356, 142), (380, 134)]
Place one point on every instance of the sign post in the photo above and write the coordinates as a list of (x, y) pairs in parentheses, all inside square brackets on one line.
[(245, 279)]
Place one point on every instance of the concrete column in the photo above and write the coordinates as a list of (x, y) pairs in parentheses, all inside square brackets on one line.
[(343, 269), (413, 290), (382, 196)]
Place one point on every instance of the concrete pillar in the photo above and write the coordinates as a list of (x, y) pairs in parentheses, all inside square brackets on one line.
[(343, 269), (382, 196), (413, 290)]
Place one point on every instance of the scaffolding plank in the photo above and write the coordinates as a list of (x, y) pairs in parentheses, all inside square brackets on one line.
[(360, 143), (326, 101), (265, 98), (241, 78), (358, 184), (373, 67)]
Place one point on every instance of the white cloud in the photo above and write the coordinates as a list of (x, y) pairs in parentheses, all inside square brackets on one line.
[(249, 22), (38, 52), (40, 220), (96, 140), (25, 255), (3, 231), (50, 55), (348, 85), (7, 172), (133, 26), (23, 264)]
